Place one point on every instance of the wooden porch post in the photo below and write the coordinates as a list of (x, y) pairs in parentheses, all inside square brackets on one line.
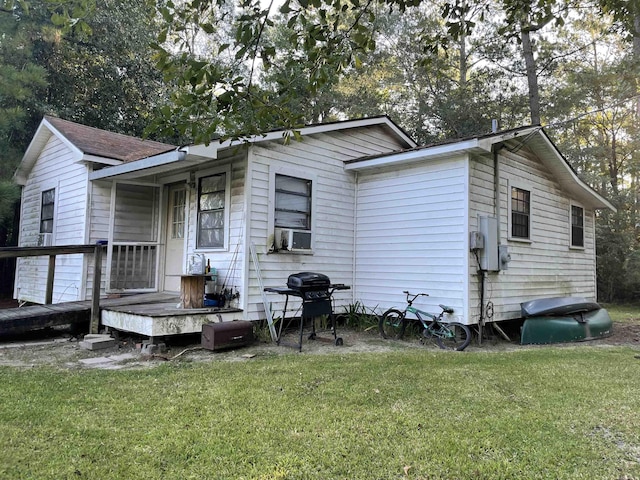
[(48, 295), (95, 294)]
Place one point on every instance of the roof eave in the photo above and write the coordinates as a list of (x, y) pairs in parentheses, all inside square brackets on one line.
[(43, 133), (210, 150), (564, 174), (144, 166), (416, 155)]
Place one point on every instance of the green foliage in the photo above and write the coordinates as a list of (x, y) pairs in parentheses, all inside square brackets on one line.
[(441, 69), (358, 317), (358, 416)]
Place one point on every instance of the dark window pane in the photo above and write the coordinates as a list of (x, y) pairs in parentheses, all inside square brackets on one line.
[(520, 208), (46, 211), (292, 202), (211, 238), (46, 226), (211, 207), (48, 196), (211, 220), (212, 201), (577, 226), (212, 184), (291, 220)]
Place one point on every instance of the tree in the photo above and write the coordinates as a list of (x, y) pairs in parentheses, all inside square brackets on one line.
[(22, 84)]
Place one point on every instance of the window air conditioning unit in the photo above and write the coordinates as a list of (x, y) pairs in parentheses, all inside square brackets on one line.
[(45, 239), (292, 240)]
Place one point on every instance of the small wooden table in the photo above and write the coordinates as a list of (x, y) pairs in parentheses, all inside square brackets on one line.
[(192, 290)]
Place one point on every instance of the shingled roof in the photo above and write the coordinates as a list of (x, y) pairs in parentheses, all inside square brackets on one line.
[(101, 143)]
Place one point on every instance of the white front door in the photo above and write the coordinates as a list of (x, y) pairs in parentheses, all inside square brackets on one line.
[(174, 243)]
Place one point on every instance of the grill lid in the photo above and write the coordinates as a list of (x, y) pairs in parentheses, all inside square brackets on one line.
[(305, 281)]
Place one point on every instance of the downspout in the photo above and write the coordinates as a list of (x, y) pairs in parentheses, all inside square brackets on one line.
[(496, 185), (496, 199), (354, 245), (495, 149)]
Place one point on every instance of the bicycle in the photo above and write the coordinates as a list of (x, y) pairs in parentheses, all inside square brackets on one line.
[(447, 335)]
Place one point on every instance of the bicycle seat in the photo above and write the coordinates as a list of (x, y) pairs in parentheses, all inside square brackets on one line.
[(446, 309)]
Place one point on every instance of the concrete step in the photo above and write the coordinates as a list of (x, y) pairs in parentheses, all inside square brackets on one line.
[(97, 342)]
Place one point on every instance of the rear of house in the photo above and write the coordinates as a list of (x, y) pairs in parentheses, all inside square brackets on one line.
[(215, 202), (481, 225)]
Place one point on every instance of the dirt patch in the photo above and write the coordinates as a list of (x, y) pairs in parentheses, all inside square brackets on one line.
[(624, 334), (60, 349)]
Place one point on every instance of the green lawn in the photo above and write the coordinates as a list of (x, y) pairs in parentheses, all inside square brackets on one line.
[(571, 412), (624, 313)]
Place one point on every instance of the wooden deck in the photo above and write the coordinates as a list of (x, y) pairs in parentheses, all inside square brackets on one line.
[(149, 314)]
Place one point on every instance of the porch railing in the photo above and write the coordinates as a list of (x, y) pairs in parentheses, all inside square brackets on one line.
[(133, 266)]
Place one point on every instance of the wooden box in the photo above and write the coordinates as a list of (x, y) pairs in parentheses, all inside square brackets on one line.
[(217, 336)]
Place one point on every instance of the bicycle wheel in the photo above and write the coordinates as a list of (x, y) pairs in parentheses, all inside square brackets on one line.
[(453, 336), (392, 324)]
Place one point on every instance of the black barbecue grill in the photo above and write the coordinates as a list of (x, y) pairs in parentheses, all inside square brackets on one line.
[(316, 292)]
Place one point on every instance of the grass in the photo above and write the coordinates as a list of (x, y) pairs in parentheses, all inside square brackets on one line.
[(556, 413), (625, 313)]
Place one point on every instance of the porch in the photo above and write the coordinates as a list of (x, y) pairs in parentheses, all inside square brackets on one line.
[(150, 314), (160, 314)]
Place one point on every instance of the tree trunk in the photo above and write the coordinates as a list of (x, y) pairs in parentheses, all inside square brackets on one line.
[(532, 75), (636, 56)]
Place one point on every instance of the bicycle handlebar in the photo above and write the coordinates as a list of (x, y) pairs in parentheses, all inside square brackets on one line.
[(406, 292), (444, 308)]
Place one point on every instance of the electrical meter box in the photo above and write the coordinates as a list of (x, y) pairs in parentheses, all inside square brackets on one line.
[(489, 260)]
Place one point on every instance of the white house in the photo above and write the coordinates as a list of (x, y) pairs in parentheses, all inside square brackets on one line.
[(356, 200)]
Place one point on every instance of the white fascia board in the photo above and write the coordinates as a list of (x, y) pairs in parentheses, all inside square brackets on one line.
[(202, 150), (211, 150), (39, 140), (77, 153), (103, 160), (139, 165), (565, 173), (415, 155)]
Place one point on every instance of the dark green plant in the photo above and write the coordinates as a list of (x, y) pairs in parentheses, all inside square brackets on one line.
[(359, 317)]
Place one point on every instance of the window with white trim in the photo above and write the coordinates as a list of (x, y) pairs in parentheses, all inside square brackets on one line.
[(520, 213), (292, 203), (577, 226), (211, 211), (47, 210)]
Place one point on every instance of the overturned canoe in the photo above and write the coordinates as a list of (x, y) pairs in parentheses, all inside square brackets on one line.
[(557, 306), (576, 327)]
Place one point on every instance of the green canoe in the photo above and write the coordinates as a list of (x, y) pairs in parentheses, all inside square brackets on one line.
[(566, 328)]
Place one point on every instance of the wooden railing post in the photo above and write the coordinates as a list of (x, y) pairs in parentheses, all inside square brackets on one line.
[(48, 294), (95, 294)]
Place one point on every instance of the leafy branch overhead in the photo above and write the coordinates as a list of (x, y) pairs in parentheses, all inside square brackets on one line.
[(216, 53)]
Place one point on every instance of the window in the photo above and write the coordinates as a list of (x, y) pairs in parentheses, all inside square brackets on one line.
[(577, 226), (520, 212), (211, 204), (178, 204), (293, 203), (46, 211)]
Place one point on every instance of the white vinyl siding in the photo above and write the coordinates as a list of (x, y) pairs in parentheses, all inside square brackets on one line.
[(229, 260), (333, 216), (412, 234), (544, 266), (56, 168)]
